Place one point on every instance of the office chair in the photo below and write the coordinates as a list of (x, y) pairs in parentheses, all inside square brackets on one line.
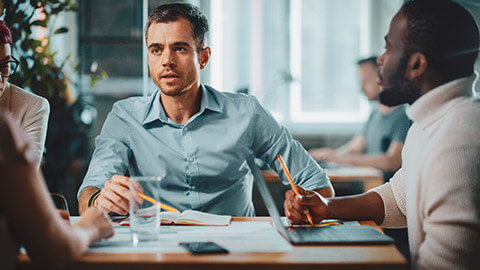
[(61, 204)]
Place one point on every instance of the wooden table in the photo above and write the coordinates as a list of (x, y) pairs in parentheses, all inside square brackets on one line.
[(302, 257), (369, 176)]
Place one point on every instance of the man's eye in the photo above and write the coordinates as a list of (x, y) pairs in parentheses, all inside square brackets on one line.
[(155, 51), (180, 49)]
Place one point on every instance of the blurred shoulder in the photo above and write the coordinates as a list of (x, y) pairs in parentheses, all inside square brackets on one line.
[(14, 143), (24, 100)]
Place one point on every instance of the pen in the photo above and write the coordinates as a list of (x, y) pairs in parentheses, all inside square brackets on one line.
[(163, 206), (287, 173)]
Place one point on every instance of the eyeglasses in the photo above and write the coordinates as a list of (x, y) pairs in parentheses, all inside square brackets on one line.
[(7, 69)]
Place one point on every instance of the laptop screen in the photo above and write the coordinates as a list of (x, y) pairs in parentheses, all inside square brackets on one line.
[(267, 197)]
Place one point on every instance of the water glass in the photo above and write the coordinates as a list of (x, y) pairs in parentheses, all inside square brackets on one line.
[(144, 208)]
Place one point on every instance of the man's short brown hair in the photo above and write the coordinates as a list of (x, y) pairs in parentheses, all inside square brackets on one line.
[(172, 12)]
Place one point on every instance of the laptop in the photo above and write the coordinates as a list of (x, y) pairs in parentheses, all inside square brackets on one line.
[(336, 234)]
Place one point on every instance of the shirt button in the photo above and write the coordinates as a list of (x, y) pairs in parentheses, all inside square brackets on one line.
[(190, 159), (193, 187), (185, 129)]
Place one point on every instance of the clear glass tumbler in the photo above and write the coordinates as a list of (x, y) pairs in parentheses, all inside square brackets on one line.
[(144, 208)]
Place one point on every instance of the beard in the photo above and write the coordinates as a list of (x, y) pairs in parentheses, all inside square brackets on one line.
[(400, 89)]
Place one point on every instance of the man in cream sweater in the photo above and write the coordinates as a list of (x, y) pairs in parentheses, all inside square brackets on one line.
[(431, 49), (29, 110)]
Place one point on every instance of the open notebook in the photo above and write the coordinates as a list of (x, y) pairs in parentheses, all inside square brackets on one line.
[(190, 217)]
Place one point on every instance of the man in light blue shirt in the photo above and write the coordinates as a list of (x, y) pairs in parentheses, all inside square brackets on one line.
[(194, 136)]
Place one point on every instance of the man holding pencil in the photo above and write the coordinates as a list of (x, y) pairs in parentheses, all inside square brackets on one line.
[(431, 49), (197, 138)]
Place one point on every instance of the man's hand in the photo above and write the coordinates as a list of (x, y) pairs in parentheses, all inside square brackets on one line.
[(296, 209), (323, 154), (114, 197)]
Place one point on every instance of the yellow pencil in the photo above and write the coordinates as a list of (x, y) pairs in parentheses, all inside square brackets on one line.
[(164, 206), (287, 173)]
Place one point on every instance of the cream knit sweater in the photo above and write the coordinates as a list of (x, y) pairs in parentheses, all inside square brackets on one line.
[(437, 190)]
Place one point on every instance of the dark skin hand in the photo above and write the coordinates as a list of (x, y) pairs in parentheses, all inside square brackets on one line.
[(366, 206), (296, 209)]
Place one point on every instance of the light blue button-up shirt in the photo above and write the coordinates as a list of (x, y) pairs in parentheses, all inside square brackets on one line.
[(204, 161)]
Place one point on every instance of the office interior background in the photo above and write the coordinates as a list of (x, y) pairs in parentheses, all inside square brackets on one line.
[(298, 57)]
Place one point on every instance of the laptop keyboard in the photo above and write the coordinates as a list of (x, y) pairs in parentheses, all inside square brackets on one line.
[(337, 234), (308, 234)]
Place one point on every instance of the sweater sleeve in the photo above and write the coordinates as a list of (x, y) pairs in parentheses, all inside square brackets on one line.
[(450, 204), (394, 203)]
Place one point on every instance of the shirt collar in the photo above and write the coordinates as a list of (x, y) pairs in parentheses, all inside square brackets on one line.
[(154, 109), (433, 104), (209, 100)]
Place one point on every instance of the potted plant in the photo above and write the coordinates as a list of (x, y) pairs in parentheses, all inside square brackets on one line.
[(40, 69)]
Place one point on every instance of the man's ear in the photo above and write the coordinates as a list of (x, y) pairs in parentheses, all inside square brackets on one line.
[(417, 66), (204, 56)]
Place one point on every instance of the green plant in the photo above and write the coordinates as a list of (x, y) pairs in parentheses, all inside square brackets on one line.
[(40, 69)]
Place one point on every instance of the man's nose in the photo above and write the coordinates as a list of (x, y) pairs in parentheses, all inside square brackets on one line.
[(380, 59), (168, 59)]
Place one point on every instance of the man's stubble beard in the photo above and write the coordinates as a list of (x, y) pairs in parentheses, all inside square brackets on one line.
[(400, 89)]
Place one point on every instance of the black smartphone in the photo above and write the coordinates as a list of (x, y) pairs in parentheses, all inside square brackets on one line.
[(203, 248)]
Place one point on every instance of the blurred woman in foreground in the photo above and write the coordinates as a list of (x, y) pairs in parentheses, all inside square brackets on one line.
[(27, 214)]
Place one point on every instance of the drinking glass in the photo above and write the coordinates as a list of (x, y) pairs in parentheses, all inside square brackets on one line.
[(144, 208)]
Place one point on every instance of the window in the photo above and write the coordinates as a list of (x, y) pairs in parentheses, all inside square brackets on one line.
[(325, 37)]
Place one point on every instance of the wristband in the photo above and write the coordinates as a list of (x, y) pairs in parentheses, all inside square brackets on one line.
[(93, 197)]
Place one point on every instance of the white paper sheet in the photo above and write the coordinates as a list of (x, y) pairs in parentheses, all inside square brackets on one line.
[(238, 237)]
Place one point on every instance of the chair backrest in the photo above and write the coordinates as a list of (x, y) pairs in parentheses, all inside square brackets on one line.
[(60, 202)]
